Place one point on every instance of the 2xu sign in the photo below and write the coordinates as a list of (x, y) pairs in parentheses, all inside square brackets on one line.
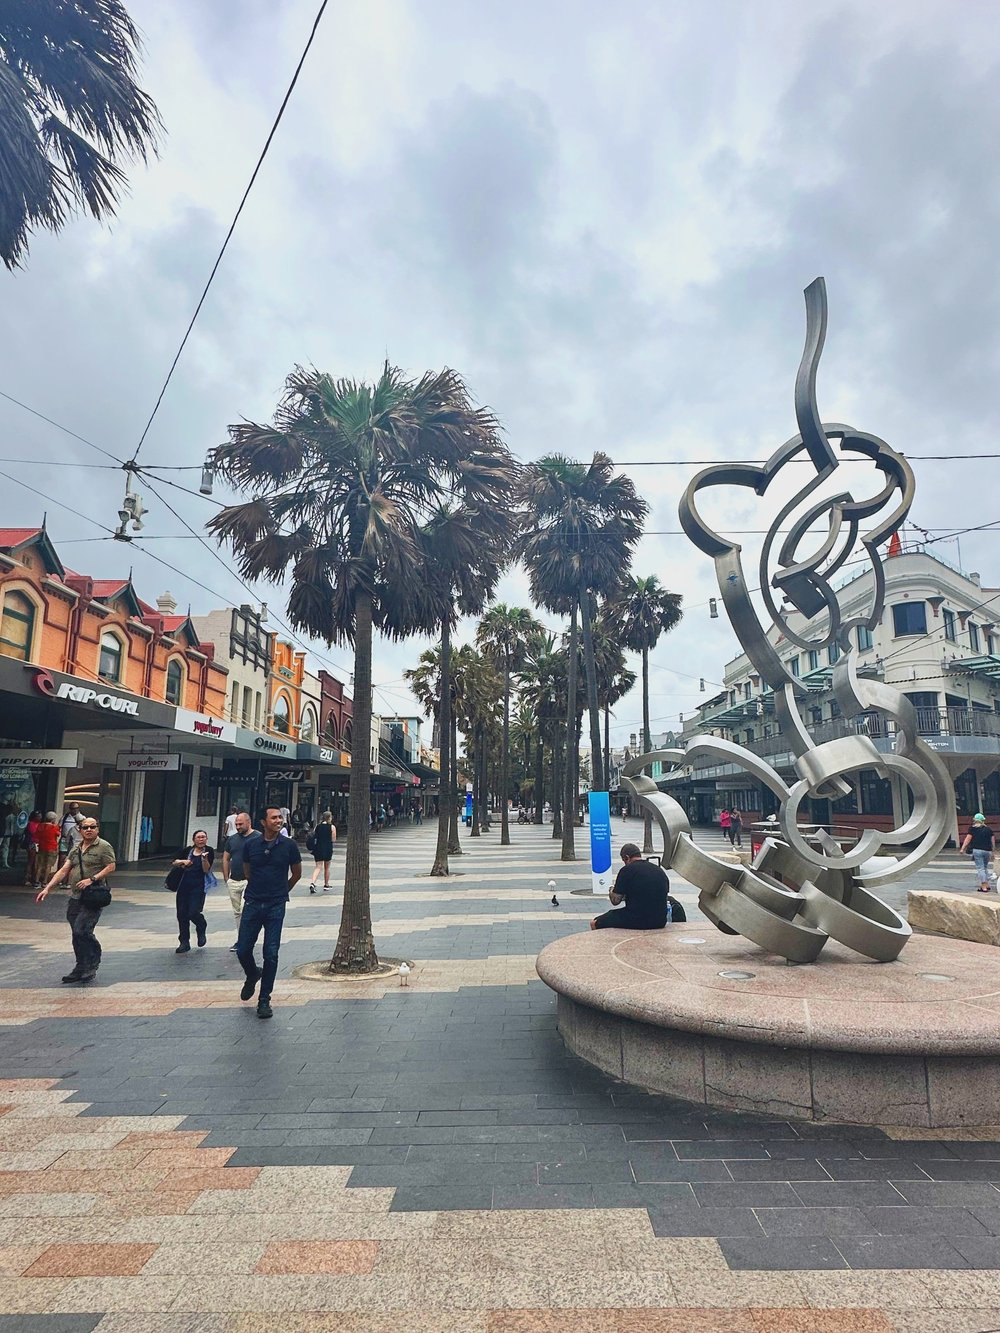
[(38, 759), (147, 763), (83, 694)]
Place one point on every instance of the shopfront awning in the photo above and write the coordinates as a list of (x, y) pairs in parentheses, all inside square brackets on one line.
[(986, 667)]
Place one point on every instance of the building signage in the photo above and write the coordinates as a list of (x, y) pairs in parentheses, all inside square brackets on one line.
[(287, 775), (205, 727), (266, 745), (131, 762), (35, 759), (84, 694)]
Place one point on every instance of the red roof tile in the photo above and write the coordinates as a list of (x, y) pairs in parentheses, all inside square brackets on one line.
[(15, 536)]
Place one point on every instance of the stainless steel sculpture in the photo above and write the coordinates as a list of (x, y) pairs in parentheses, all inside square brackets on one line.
[(824, 890)]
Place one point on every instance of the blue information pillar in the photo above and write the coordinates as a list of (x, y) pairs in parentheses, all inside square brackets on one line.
[(468, 809), (599, 808)]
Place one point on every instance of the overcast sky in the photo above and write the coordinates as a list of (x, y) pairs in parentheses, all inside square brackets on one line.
[(602, 215)]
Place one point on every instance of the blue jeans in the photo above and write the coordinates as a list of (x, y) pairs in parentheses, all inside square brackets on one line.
[(982, 858), (257, 916)]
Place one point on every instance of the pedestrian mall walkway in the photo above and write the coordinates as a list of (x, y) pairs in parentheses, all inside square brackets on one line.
[(429, 1157)]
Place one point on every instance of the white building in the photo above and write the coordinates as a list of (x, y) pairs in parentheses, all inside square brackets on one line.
[(937, 642), (243, 646)]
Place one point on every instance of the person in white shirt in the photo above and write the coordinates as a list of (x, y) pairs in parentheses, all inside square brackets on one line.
[(70, 836), (230, 825)]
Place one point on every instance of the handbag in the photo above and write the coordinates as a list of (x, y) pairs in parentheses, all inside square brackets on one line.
[(211, 881), (94, 896), (173, 880)]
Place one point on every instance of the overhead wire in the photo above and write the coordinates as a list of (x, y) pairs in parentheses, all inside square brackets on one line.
[(232, 226)]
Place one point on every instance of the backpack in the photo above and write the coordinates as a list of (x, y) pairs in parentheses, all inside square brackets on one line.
[(311, 842)]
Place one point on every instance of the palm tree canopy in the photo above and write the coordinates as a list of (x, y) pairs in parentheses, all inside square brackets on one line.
[(349, 483), (641, 611), (584, 523), (69, 108), (505, 634)]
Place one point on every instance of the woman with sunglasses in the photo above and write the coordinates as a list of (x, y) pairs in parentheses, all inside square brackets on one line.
[(92, 862), (196, 862)]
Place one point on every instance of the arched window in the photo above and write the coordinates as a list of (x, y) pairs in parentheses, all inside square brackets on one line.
[(332, 733), (307, 732), (175, 682), (281, 721), (348, 733), (109, 665), (17, 626)]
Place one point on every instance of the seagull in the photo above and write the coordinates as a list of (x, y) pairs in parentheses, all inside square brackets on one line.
[(404, 972), (555, 900)]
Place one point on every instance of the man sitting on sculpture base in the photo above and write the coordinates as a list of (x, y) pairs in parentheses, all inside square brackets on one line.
[(644, 889)]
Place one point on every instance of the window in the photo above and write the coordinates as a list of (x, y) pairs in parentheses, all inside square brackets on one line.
[(813, 660), (909, 618), (281, 720), (175, 682), (864, 638), (793, 665), (746, 689), (989, 644), (973, 637), (875, 793), (247, 704), (816, 716), (833, 652), (109, 665), (17, 626), (234, 705), (949, 624), (307, 731), (256, 711), (834, 710)]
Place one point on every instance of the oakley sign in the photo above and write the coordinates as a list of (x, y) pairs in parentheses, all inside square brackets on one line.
[(83, 694)]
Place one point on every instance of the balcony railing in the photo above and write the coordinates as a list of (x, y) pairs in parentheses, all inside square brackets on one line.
[(930, 722)]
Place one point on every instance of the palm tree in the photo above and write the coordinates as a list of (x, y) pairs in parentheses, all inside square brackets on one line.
[(541, 685), (465, 549), (614, 679), (69, 110), (584, 525), (503, 636), (341, 483), (638, 615)]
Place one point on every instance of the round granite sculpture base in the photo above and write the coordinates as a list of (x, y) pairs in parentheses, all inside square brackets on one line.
[(914, 1042)]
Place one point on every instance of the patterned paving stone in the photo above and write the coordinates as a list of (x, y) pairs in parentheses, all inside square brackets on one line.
[(431, 1157)]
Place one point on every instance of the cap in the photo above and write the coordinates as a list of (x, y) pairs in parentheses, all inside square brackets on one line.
[(979, 819)]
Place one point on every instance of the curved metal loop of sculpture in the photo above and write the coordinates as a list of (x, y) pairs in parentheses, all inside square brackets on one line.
[(824, 889)]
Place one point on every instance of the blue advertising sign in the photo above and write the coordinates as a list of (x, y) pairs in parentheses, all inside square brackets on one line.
[(468, 808), (599, 808)]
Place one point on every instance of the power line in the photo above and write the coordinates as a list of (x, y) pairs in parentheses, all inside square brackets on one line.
[(58, 425), (232, 225)]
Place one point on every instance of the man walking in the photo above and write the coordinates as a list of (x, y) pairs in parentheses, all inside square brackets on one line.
[(233, 871), (91, 863), (272, 864)]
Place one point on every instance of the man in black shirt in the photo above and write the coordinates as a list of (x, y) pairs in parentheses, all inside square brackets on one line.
[(643, 887), (272, 864)]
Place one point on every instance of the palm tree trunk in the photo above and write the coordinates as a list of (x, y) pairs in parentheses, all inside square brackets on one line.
[(597, 782), (505, 761), (539, 775), (454, 844), (607, 744), (355, 949), (569, 794), (557, 784), (477, 786), (647, 822), (440, 866)]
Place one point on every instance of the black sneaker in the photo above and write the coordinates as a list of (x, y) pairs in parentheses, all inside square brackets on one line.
[(202, 939), (73, 976), (183, 948), (249, 986), (234, 947), (264, 1010)]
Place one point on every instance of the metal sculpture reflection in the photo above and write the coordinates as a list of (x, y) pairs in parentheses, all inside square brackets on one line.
[(824, 889)]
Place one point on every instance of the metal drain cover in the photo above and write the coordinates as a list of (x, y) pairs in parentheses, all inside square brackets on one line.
[(731, 974)]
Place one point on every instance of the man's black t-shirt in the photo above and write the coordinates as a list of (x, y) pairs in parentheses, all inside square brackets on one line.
[(644, 886)]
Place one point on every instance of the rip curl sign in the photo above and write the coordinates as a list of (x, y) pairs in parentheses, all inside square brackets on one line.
[(824, 888)]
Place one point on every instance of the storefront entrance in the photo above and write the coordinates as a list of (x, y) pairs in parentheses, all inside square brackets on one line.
[(99, 788), (165, 801)]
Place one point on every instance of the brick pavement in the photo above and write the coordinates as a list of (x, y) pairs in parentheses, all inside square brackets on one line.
[(431, 1157)]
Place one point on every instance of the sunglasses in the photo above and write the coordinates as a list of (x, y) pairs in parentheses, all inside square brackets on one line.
[(86, 827)]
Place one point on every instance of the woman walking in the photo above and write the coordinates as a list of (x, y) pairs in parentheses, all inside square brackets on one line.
[(322, 838), (196, 862), (725, 823), (979, 840), (87, 869)]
